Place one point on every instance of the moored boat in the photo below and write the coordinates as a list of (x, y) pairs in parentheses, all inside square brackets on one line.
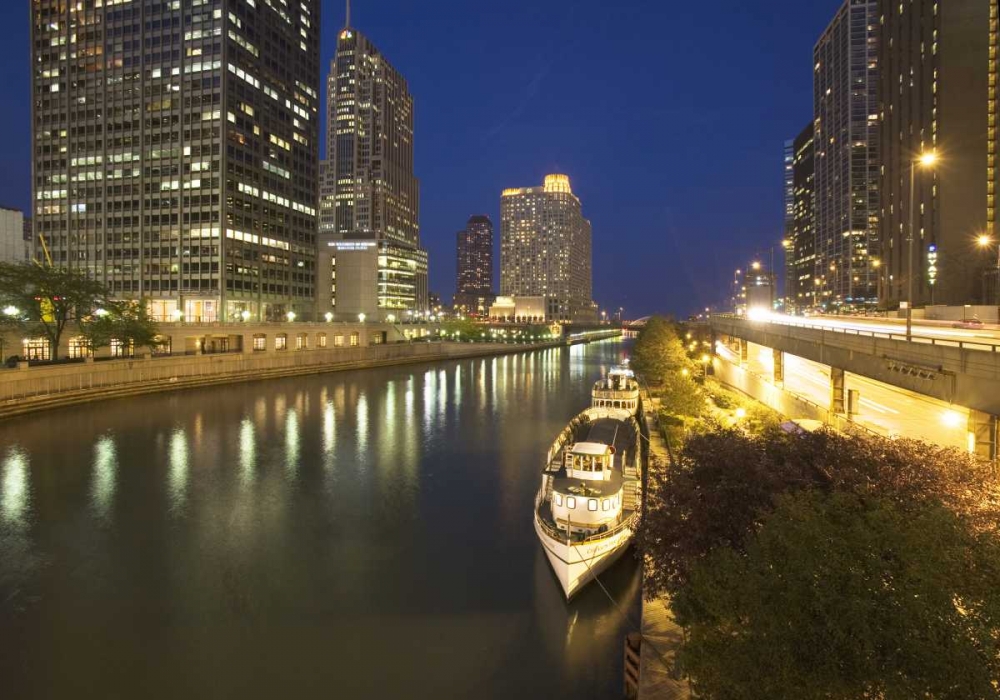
[(619, 389), (588, 506)]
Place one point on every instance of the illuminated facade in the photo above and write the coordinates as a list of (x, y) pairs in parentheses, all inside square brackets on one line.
[(176, 151), (474, 274), (801, 283), (369, 191), (938, 86), (545, 248), (845, 108)]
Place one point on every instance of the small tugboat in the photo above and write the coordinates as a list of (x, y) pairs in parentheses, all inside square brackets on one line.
[(587, 508), (618, 390)]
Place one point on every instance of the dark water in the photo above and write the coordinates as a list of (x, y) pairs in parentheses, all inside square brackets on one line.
[(362, 535)]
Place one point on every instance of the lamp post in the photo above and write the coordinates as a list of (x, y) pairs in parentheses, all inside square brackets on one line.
[(984, 241), (925, 159)]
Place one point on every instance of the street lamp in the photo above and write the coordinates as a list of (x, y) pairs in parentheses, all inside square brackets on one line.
[(290, 316), (985, 241), (245, 315), (11, 311), (361, 317), (925, 160), (328, 316)]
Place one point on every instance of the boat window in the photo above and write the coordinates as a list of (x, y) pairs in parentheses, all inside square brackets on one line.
[(559, 499), (605, 504), (592, 504), (570, 502)]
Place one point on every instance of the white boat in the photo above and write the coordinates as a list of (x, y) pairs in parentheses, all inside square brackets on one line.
[(617, 390), (588, 506)]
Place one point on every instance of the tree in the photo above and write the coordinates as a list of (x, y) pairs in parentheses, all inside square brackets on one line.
[(42, 301), (723, 482), (658, 351), (125, 320), (844, 596)]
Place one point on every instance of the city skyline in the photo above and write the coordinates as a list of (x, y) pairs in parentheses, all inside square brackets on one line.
[(512, 122)]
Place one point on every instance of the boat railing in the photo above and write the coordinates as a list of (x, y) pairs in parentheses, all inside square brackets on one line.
[(557, 534), (615, 393), (628, 522)]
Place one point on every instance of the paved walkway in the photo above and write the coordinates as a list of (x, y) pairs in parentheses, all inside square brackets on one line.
[(661, 635)]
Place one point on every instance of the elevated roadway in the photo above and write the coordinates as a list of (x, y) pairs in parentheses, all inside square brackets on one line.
[(944, 383)]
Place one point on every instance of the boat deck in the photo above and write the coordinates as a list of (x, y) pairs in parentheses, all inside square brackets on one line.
[(609, 431)]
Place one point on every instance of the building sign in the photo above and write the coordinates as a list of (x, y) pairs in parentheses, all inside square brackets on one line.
[(932, 269)]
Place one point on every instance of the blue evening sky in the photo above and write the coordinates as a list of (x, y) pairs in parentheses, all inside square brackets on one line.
[(669, 118)]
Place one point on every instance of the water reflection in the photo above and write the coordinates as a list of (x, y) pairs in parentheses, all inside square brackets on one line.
[(16, 491), (178, 469), (102, 485), (292, 442), (248, 449), (292, 519)]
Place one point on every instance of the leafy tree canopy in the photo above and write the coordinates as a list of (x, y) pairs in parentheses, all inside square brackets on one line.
[(658, 351), (124, 320), (43, 300), (723, 483), (846, 596)]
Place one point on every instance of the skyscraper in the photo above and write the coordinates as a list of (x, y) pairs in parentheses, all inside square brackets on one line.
[(176, 150), (845, 108), (474, 274), (938, 87), (801, 282), (370, 253), (545, 248), (788, 158)]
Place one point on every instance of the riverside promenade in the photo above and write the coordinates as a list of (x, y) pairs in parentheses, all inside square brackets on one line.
[(29, 389), (661, 635)]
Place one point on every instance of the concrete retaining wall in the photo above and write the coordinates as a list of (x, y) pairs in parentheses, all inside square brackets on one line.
[(37, 388)]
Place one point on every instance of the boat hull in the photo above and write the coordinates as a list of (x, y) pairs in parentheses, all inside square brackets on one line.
[(577, 565)]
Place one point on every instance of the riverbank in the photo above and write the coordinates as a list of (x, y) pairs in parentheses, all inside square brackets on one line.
[(40, 388)]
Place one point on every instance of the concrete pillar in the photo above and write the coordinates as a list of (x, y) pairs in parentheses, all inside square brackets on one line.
[(744, 352), (837, 393), (247, 343), (779, 366), (983, 427)]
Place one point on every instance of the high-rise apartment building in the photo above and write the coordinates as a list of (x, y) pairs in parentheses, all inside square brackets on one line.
[(545, 248), (845, 109), (801, 281), (474, 273), (370, 256), (938, 67), (176, 150), (789, 190)]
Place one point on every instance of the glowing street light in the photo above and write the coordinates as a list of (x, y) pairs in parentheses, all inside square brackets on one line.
[(328, 316), (925, 160), (11, 310), (177, 314), (245, 315), (101, 312), (361, 317), (290, 316)]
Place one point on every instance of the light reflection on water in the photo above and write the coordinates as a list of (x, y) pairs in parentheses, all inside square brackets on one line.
[(16, 490), (102, 489), (265, 538)]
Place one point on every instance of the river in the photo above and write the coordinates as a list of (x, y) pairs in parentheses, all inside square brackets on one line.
[(351, 535)]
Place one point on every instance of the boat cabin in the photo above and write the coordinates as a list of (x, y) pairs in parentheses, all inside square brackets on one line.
[(618, 390)]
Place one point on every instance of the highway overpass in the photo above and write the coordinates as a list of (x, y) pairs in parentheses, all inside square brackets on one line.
[(943, 384)]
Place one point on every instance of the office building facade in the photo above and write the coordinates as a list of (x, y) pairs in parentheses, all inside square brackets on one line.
[(801, 281), (11, 235), (846, 131), (788, 187), (370, 208), (474, 267), (938, 92), (176, 151), (545, 248)]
